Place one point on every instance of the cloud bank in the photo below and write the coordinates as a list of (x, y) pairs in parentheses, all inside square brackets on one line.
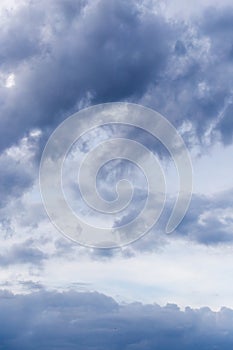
[(71, 320)]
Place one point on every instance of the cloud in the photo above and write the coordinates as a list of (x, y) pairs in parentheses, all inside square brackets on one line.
[(22, 253), (99, 52), (31, 285), (225, 126), (67, 55), (64, 56), (17, 165), (196, 85), (94, 321), (209, 219)]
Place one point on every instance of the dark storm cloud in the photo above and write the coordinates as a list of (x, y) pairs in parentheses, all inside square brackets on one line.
[(74, 320), (197, 83), (101, 52), (19, 38), (69, 54), (66, 55), (217, 24)]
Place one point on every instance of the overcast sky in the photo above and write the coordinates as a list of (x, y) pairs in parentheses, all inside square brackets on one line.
[(57, 57)]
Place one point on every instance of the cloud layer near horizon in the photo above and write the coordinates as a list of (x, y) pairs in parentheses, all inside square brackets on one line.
[(71, 320)]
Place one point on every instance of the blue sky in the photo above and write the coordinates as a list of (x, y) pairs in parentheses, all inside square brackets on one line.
[(58, 57)]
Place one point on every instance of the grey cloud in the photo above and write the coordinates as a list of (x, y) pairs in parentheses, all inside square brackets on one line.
[(225, 126), (66, 55), (14, 179), (217, 22), (197, 83), (17, 39), (110, 51), (31, 285), (22, 253), (17, 169), (209, 220), (74, 320)]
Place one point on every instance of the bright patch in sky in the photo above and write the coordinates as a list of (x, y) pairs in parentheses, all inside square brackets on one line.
[(10, 81)]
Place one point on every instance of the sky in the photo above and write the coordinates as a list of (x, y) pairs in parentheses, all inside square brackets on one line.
[(163, 290)]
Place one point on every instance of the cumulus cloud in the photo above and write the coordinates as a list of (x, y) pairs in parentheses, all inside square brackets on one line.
[(94, 321), (100, 51), (22, 253), (66, 55), (209, 219), (196, 85)]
